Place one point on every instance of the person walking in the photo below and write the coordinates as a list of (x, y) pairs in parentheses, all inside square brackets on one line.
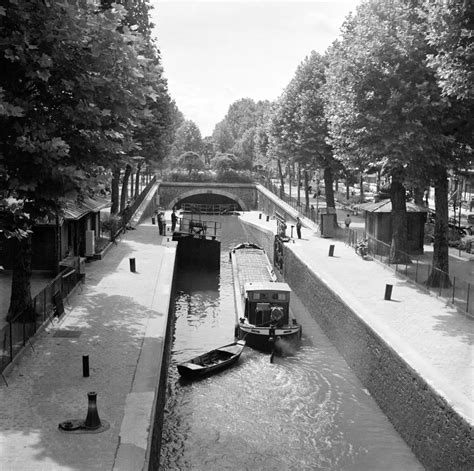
[(347, 221), (298, 227)]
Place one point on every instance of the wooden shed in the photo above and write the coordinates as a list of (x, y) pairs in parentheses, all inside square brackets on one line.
[(378, 223)]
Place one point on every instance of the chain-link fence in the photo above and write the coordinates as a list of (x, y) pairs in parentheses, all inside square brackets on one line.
[(46, 304), (454, 289)]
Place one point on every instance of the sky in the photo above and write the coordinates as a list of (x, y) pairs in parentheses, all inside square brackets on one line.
[(217, 52)]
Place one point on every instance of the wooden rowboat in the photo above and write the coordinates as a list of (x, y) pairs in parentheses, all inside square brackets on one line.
[(213, 361)]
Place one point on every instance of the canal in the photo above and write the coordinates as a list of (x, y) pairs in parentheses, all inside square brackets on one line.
[(305, 412)]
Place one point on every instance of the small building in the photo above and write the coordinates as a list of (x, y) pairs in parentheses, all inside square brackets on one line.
[(72, 233), (378, 223)]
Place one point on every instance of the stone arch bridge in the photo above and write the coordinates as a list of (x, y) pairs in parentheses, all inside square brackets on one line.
[(175, 194)]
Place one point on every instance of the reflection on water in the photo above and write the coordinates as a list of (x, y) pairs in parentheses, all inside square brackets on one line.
[(303, 412)]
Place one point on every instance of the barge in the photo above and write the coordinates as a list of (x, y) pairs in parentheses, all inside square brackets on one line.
[(263, 315)]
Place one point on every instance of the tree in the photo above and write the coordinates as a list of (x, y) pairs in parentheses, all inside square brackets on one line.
[(300, 125), (223, 163), (69, 102), (187, 139), (385, 109), (450, 24), (191, 161), (235, 133)]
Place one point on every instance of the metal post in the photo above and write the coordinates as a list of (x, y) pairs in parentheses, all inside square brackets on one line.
[(388, 292), (331, 250), (132, 265), (85, 366), (467, 299), (454, 287)]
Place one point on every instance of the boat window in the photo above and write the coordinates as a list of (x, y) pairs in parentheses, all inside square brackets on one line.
[(281, 296), (256, 295)]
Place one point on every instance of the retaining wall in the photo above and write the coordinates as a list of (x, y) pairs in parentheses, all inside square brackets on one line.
[(439, 437)]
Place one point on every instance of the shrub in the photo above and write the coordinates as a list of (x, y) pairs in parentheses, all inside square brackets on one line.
[(110, 224)]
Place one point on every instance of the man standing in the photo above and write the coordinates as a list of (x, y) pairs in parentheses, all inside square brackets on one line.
[(160, 222), (298, 227), (174, 220), (347, 221)]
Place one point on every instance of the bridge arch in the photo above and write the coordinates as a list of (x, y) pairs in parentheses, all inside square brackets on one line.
[(206, 191)]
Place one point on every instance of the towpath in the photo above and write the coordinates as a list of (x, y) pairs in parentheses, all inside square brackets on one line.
[(118, 319)]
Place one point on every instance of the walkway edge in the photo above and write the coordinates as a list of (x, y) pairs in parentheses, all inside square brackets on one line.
[(136, 432)]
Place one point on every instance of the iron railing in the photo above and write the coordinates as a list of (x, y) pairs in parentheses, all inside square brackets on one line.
[(452, 288), (46, 304)]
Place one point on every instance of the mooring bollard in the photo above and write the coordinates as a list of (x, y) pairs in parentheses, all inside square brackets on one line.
[(331, 250), (153, 220), (260, 216), (388, 292), (268, 218), (292, 231), (85, 366), (92, 420), (132, 264)]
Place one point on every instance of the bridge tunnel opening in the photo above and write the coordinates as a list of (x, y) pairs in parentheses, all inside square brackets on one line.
[(209, 203)]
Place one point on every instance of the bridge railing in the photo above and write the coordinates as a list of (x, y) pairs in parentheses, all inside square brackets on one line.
[(210, 208)]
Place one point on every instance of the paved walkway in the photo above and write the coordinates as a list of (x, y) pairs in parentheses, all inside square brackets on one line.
[(121, 320), (433, 337)]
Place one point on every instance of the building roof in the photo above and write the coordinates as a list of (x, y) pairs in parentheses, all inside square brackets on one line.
[(77, 209), (385, 206)]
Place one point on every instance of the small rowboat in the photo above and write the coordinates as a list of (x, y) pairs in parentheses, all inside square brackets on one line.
[(213, 361)]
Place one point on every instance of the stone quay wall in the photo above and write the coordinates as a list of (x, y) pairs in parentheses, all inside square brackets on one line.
[(439, 437)]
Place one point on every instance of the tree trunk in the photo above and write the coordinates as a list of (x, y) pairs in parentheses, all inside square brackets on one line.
[(20, 299), (439, 275), (289, 179), (298, 199), (306, 192), (348, 194), (362, 197), (328, 184), (282, 181), (114, 209), (418, 196), (137, 181), (398, 249), (124, 194)]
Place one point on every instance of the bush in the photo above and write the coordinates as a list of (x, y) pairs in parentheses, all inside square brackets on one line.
[(110, 224), (230, 176)]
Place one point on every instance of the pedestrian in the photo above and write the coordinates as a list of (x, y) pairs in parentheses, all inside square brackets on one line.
[(298, 227), (347, 221), (160, 223), (126, 216), (174, 220)]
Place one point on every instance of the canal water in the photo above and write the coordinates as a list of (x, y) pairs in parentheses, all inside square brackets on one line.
[(305, 412)]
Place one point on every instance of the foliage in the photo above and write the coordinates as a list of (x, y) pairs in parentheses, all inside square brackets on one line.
[(236, 132), (230, 176), (385, 108), (187, 139), (191, 161), (450, 32), (111, 223), (80, 92), (223, 163)]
